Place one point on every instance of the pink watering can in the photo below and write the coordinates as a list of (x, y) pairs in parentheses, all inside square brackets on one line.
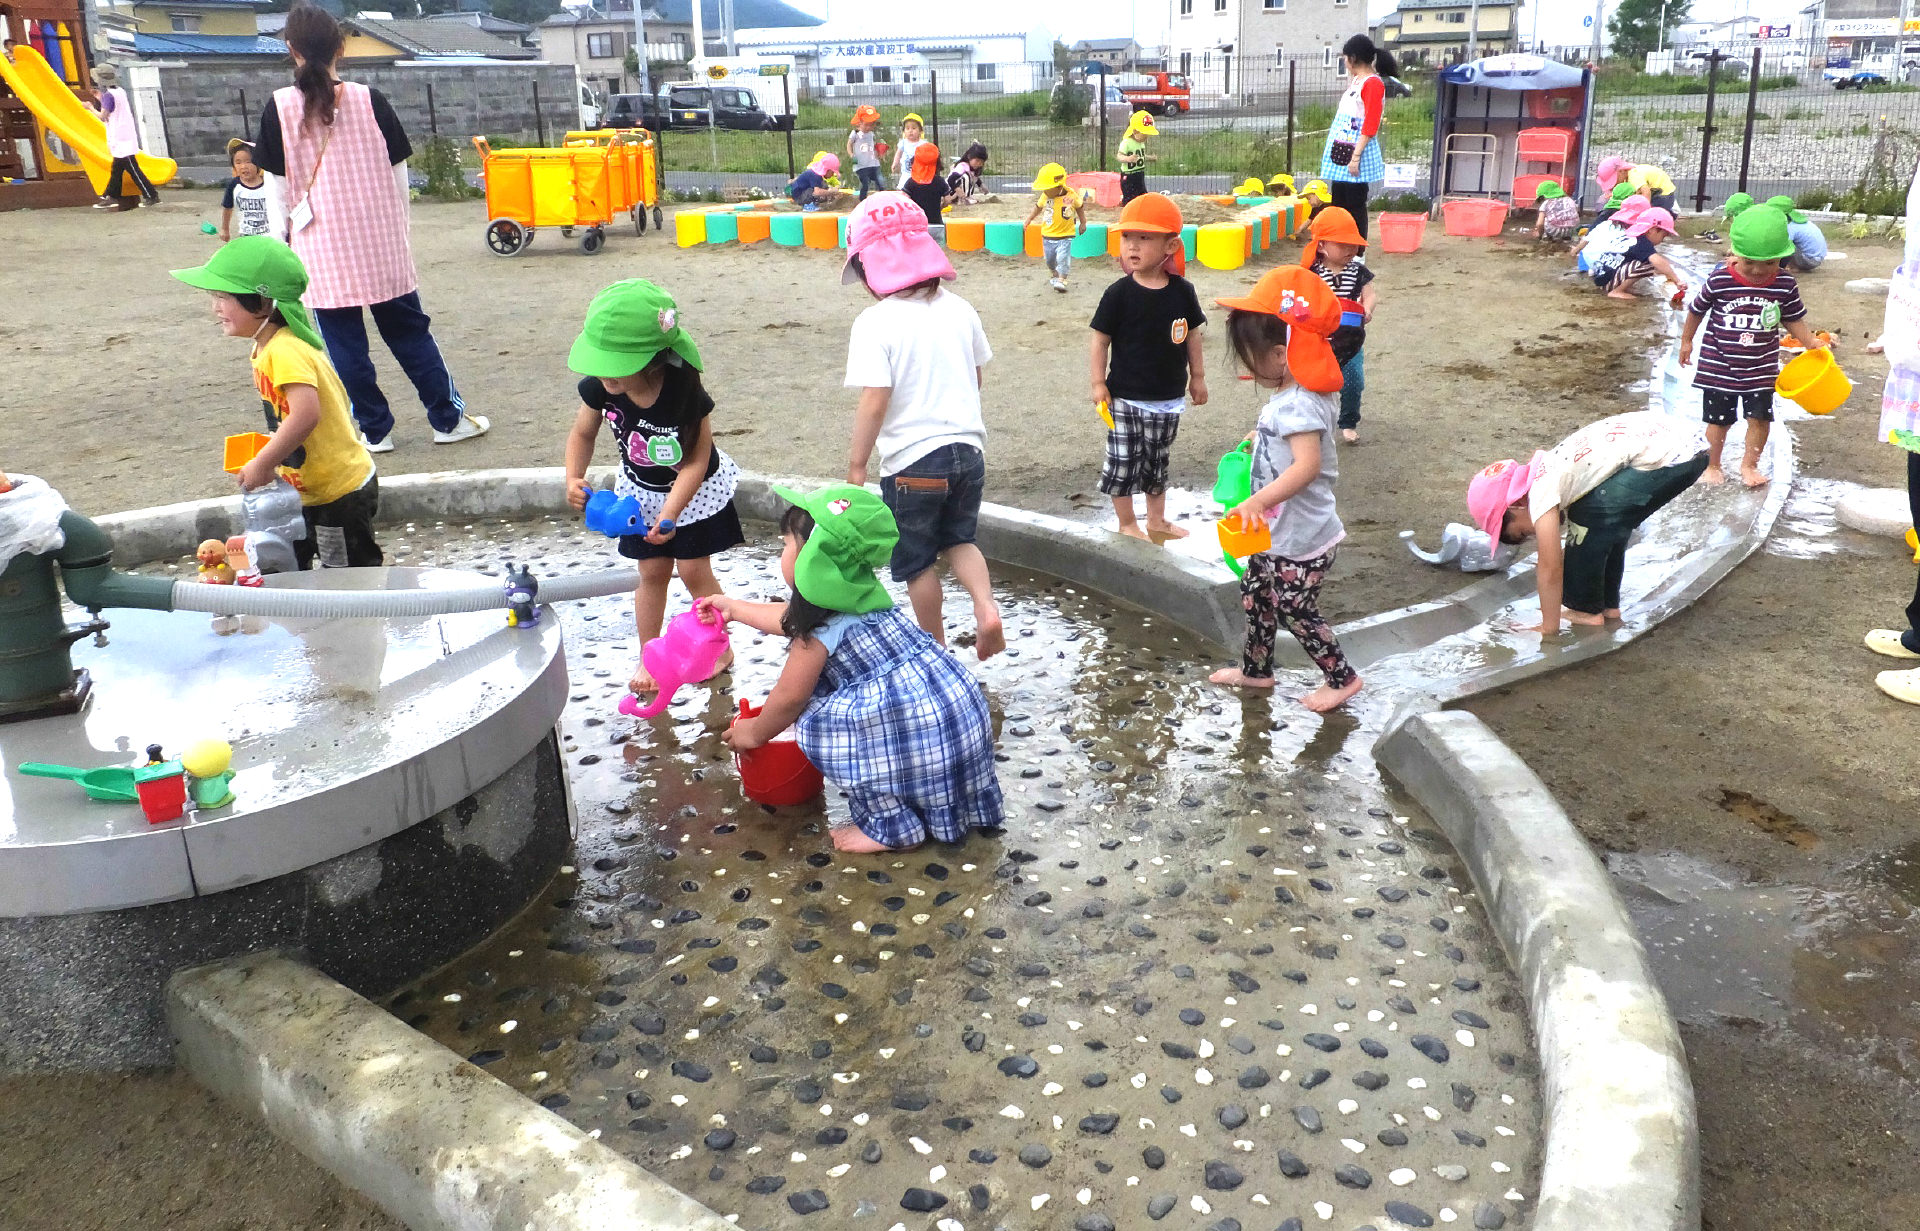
[(686, 653)]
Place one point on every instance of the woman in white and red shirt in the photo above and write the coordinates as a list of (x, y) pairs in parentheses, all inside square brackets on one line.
[(343, 153), (1352, 159), (123, 139)]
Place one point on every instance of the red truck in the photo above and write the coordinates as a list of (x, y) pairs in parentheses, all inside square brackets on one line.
[(1156, 93)]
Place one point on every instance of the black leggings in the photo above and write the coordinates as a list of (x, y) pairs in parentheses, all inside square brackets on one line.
[(1913, 506), (1353, 199), (130, 166)]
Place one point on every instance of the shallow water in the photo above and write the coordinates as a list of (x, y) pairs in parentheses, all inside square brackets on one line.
[(1209, 950)]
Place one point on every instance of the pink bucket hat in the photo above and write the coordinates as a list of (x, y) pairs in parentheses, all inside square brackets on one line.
[(1494, 489), (888, 235), (1649, 219), (827, 164), (1630, 209), (1608, 172)]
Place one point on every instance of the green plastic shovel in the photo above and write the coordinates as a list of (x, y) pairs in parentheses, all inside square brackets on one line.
[(112, 783)]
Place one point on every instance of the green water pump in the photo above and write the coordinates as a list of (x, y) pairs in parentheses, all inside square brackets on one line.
[(37, 676)]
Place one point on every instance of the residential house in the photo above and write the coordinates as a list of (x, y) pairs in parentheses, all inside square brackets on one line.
[(188, 30), (596, 40), (1115, 53), (514, 32), (1227, 46), (374, 38), (859, 61), (1436, 31)]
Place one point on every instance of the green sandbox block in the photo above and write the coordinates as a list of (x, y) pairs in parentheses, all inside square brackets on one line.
[(723, 227), (1190, 240), (1006, 238), (1253, 200), (1093, 243), (788, 230), (843, 230)]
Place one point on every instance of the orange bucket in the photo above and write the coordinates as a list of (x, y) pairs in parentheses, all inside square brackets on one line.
[(1239, 542), (777, 774)]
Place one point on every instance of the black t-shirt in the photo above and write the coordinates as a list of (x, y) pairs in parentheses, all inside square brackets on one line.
[(1148, 359), (654, 438), (270, 150), (928, 197)]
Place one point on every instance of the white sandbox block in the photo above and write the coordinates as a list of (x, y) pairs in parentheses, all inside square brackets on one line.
[(1875, 510), (1870, 286)]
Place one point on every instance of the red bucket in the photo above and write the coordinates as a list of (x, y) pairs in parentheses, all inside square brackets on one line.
[(777, 774)]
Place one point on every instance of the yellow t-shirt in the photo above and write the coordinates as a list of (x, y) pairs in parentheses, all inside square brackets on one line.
[(1060, 216), (332, 462), (1643, 177)]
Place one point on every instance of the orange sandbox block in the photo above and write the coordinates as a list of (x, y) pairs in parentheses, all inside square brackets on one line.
[(242, 449)]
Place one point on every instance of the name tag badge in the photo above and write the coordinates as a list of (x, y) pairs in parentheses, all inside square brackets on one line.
[(299, 217)]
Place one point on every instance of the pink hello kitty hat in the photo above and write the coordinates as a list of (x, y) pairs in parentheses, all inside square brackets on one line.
[(887, 235)]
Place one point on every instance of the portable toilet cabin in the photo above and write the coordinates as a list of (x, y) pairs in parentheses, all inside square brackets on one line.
[(1505, 124)]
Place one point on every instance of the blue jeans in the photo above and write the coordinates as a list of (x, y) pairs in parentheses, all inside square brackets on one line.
[(1353, 375), (403, 327), (935, 501), (869, 178)]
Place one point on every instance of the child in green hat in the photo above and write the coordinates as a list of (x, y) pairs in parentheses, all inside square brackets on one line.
[(256, 282), (1743, 304), (884, 712), (641, 377), (1809, 242), (1557, 214)]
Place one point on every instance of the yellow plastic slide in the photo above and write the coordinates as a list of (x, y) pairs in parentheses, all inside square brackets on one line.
[(34, 83)]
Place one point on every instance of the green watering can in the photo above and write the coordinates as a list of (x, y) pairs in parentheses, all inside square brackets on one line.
[(1232, 485), (113, 783)]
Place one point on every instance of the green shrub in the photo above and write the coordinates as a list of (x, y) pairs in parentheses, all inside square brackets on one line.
[(439, 160)]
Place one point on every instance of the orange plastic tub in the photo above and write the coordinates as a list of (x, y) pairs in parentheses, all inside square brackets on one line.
[(967, 234), (1033, 241), (755, 227), (1402, 232), (242, 449), (1239, 542), (821, 230), (1475, 217), (777, 774)]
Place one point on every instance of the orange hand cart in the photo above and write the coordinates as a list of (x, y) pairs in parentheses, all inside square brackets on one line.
[(584, 184)]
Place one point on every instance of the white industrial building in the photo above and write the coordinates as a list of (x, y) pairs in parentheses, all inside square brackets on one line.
[(838, 62)]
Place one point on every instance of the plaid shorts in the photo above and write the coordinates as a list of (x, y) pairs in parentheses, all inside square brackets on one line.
[(1138, 449)]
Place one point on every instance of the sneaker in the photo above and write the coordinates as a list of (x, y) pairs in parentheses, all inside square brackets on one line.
[(809, 209), (146, 202), (384, 445), (1887, 641), (469, 427), (1058, 285), (106, 203)]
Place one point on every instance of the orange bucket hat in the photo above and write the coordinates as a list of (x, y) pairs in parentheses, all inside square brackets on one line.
[(865, 112), (1332, 225), (1154, 213), (926, 162), (1300, 299)]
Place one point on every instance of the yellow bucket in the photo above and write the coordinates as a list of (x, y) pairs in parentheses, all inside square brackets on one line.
[(1240, 542), (1815, 381)]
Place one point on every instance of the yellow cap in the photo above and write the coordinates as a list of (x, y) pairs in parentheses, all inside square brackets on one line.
[(1251, 188), (1051, 176), (1317, 189), (1142, 122), (915, 117)]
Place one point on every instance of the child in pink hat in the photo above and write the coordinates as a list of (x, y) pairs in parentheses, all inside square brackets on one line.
[(916, 358), (809, 188), (1615, 271), (1593, 490)]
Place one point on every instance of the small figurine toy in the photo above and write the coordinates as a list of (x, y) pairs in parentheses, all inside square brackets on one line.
[(522, 588)]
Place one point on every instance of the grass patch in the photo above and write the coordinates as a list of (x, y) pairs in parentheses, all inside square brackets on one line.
[(1612, 82)]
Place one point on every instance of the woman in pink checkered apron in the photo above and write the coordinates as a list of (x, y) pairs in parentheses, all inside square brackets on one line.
[(1900, 425), (343, 155)]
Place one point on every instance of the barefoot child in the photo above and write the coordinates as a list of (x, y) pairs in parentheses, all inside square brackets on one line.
[(1147, 359), (257, 283), (1555, 213), (886, 714), (1279, 334), (1616, 271), (1333, 254), (1064, 219), (1744, 304), (916, 357), (642, 379), (1594, 489)]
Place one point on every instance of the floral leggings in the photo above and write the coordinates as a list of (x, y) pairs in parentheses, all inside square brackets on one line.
[(1279, 591)]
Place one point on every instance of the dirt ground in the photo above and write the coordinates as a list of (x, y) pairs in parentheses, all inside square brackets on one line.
[(117, 387)]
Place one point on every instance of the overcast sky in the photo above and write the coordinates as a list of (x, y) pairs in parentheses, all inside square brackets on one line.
[(1560, 21)]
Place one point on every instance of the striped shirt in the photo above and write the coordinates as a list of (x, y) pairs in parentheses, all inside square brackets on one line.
[(1740, 340)]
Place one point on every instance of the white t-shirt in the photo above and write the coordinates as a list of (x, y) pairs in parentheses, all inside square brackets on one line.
[(905, 150), (259, 211), (926, 351), (1642, 439)]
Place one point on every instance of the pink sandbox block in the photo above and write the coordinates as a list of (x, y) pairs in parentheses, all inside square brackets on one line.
[(686, 653)]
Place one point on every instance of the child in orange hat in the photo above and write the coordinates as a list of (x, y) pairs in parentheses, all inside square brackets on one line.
[(863, 148), (926, 187), (1280, 335), (1334, 254), (1147, 361)]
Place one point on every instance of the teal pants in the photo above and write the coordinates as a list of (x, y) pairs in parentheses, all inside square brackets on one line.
[(1600, 523)]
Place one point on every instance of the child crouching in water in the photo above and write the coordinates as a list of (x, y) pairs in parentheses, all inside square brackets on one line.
[(642, 378), (1279, 333), (257, 282), (884, 712)]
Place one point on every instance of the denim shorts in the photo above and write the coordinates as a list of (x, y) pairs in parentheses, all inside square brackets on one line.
[(936, 503), (1059, 254)]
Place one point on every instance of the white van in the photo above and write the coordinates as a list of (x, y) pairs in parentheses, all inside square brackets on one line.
[(589, 102)]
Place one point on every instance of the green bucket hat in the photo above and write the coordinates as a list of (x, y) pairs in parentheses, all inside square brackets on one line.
[(1784, 204), (627, 325), (1736, 205), (259, 265), (853, 534), (1549, 189), (1621, 191), (1761, 235)]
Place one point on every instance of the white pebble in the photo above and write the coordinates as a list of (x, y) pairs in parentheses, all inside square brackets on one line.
[(1052, 1088), (1188, 1130), (1203, 1077), (919, 1146), (1358, 1147), (1465, 1037), (1206, 1049), (936, 1175), (1083, 1196), (1200, 1205), (837, 1171), (1039, 1201), (1013, 1113), (1402, 1176), (1348, 1107), (1323, 1209)]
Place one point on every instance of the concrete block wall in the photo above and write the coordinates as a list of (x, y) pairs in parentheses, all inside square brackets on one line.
[(205, 104)]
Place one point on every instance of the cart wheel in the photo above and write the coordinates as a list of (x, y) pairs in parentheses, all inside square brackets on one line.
[(639, 215), (567, 232), (656, 217), (507, 237), (594, 240)]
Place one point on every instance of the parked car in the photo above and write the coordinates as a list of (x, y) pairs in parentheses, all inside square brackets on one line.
[(733, 107), (1859, 80), (635, 111), (1119, 110)]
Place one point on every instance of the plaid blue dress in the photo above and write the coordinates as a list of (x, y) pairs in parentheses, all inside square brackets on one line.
[(901, 727)]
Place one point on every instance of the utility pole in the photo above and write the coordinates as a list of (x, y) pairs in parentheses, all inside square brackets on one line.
[(1599, 27), (639, 45), (1473, 31)]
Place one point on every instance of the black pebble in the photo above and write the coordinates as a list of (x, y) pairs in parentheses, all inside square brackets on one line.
[(1432, 1048), (1192, 1017), (1391, 1137), (1222, 1177), (1154, 1157), (720, 1139), (1291, 1165), (811, 1201), (921, 1200), (1351, 1176), (1101, 1123), (1321, 1042), (1232, 1116), (830, 1137), (1411, 1215), (1370, 1080), (911, 1101), (870, 1153), (691, 1070), (1035, 1155), (764, 1184), (1019, 1066)]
